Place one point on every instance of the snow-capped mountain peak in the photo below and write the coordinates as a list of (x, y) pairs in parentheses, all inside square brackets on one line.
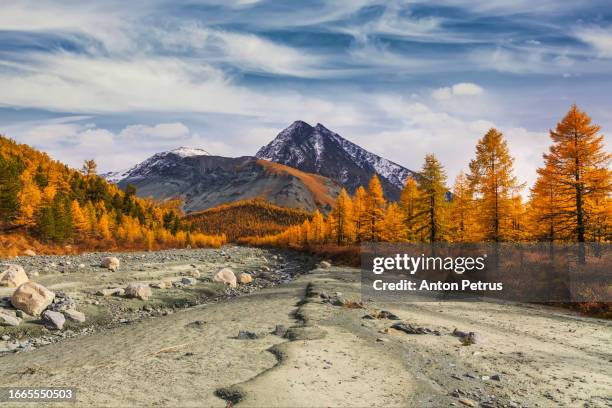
[(155, 162), (319, 150)]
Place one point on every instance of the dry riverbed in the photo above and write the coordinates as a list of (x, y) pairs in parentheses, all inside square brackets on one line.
[(292, 339)]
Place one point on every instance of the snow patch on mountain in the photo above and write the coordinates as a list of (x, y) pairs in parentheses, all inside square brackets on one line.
[(154, 163)]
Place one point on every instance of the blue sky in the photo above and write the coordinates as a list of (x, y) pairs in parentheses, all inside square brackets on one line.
[(118, 81)]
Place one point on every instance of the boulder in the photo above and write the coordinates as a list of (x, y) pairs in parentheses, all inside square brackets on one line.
[(12, 276), (245, 278), (53, 320), (32, 298), (7, 319), (225, 275), (138, 290), (324, 265), (29, 252), (74, 315), (110, 262)]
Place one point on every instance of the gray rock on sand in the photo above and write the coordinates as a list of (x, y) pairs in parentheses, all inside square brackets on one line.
[(110, 262), (53, 320), (7, 319), (32, 298), (280, 330), (246, 335), (324, 265), (12, 275), (468, 338), (225, 275), (188, 281), (138, 290)]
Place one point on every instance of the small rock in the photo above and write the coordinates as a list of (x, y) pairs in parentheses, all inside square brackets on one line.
[(111, 292), (246, 335), (467, 402), (245, 278), (32, 298), (32, 274), (138, 290), (324, 265), (53, 320), (280, 330), (7, 319), (225, 275), (194, 273), (29, 252), (74, 315), (161, 285), (188, 281), (110, 262), (12, 276), (382, 340)]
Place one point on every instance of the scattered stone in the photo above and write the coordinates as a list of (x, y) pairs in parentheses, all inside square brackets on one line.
[(324, 265), (7, 319), (280, 330), (61, 303), (468, 338), (246, 335), (467, 402), (161, 285), (196, 324), (382, 340), (74, 315), (12, 275), (188, 281), (409, 329), (138, 290), (53, 320), (111, 292), (32, 274), (245, 278), (225, 275), (32, 298), (21, 314), (323, 295), (382, 314), (29, 252), (194, 273), (110, 262)]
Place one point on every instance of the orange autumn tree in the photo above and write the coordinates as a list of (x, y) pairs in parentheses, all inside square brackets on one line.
[(342, 215), (359, 213), (409, 205), (462, 218), (375, 211), (577, 177), (494, 184)]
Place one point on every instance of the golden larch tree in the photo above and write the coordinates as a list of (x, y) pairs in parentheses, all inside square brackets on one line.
[(342, 214), (432, 200), (580, 167), (409, 199), (494, 184)]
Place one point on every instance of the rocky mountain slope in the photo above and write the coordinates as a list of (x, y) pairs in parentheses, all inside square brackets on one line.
[(205, 181), (319, 150)]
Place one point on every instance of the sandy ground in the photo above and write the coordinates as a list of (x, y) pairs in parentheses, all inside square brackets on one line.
[(332, 356)]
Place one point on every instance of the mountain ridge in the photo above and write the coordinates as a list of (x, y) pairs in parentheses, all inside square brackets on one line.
[(316, 149)]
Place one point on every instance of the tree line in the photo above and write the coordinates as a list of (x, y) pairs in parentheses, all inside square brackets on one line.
[(570, 201), (48, 201)]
